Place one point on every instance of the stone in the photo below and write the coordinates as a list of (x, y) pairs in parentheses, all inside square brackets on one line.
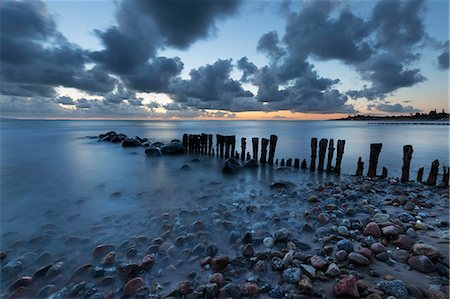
[(346, 287), (147, 262), (128, 271), (231, 166), (130, 142), (217, 278), (305, 285), (282, 236), (276, 263), (345, 244), (252, 163), (109, 259), (219, 264), (442, 269), (333, 270), (394, 288), (23, 281), (409, 206), (377, 248), (268, 242), (390, 231), (403, 242), (313, 199), (425, 249), (308, 270), (366, 252), (287, 259), (323, 218), (12, 267), (173, 148), (260, 266), (211, 290), (420, 225), (319, 262), (358, 259), (131, 286), (292, 275), (381, 218), (102, 250), (251, 288), (382, 256), (400, 255), (248, 251), (47, 290), (343, 231), (410, 232), (276, 292), (421, 263), (341, 255), (153, 151), (230, 290), (184, 288), (372, 229)]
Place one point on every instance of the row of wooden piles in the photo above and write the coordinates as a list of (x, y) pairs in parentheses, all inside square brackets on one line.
[(375, 150)]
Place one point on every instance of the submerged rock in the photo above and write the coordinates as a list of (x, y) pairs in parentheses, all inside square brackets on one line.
[(252, 163), (130, 142), (232, 165), (153, 151), (173, 148)]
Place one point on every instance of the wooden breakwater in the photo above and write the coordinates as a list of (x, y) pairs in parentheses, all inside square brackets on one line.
[(263, 151)]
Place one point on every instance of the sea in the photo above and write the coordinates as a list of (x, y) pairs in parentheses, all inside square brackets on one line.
[(57, 182)]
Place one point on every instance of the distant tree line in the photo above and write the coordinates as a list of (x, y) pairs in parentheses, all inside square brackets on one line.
[(432, 115)]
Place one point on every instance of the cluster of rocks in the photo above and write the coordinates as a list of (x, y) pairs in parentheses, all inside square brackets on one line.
[(174, 147), (344, 237)]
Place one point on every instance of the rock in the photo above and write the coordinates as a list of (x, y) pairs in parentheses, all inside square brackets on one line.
[(184, 288), (366, 252), (421, 263), (281, 185), (147, 262), (305, 285), (217, 278), (313, 199), (287, 259), (131, 286), (185, 167), (372, 229), (102, 250), (268, 242), (442, 269), (308, 271), (23, 281), (282, 235), (346, 287), (219, 264), (345, 244), (319, 262), (173, 148), (400, 255), (420, 225), (55, 270), (382, 256), (109, 259), (230, 290), (292, 275), (403, 242), (128, 271), (343, 231), (252, 163), (276, 292), (394, 288), (276, 263), (390, 231), (410, 232), (323, 218), (260, 266), (47, 290), (231, 166), (425, 249), (377, 248), (130, 142), (341, 255), (248, 251), (333, 270), (211, 290), (251, 288), (381, 218), (358, 259), (153, 151), (12, 267)]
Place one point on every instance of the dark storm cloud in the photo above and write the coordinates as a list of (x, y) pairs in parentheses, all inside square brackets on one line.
[(183, 22), (36, 58), (248, 69), (443, 58), (210, 83), (65, 100), (396, 108), (269, 44)]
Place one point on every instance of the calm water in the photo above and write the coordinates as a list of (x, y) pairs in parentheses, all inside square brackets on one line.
[(56, 182)]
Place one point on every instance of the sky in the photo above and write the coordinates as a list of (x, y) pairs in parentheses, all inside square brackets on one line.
[(222, 59)]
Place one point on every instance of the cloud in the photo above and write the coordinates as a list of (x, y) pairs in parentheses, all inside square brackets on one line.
[(443, 58), (395, 108), (247, 68), (65, 100), (269, 44)]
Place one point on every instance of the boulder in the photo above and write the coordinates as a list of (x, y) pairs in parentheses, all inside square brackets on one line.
[(231, 166), (425, 249), (153, 151), (130, 142), (394, 288), (252, 163), (421, 263), (173, 148), (346, 287)]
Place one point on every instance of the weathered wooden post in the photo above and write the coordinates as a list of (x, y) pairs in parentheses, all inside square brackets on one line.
[(233, 145), (236, 155), (433, 173), (375, 149), (255, 141), (272, 148), (330, 155), (304, 164), (384, 174), (210, 143), (204, 143), (322, 152), (243, 145), (227, 146), (222, 145), (445, 176), (276, 162), (360, 168), (420, 174), (297, 163), (339, 155), (312, 166), (264, 144), (289, 162), (282, 162), (248, 156), (407, 156), (217, 143), (190, 143), (212, 152), (185, 141)]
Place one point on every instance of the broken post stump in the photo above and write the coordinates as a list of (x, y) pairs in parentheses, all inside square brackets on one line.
[(312, 166), (445, 176), (304, 164), (264, 144), (433, 173), (210, 144), (420, 175), (248, 156), (407, 156), (282, 162), (255, 141), (272, 148), (276, 162), (185, 141), (322, 152), (233, 145), (330, 155), (384, 173), (339, 155), (375, 149), (289, 162), (360, 167), (243, 145), (297, 163)]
